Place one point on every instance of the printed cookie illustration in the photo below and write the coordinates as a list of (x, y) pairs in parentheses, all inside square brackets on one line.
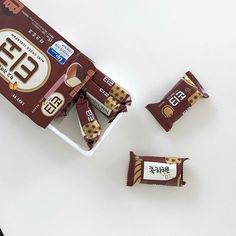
[(193, 99), (172, 160), (13, 6), (168, 111), (13, 86), (118, 93), (111, 103), (92, 129)]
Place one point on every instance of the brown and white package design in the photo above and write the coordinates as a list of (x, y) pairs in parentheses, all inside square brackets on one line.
[(40, 71)]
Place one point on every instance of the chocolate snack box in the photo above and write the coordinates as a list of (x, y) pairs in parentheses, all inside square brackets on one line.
[(37, 71)]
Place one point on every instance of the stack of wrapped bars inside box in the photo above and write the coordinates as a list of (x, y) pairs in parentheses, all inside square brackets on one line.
[(100, 92)]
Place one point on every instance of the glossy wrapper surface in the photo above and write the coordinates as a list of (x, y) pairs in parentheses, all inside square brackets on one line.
[(155, 170), (111, 87), (89, 124), (183, 96), (103, 101)]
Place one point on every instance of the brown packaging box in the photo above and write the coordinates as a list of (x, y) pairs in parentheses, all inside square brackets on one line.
[(34, 61), (41, 73)]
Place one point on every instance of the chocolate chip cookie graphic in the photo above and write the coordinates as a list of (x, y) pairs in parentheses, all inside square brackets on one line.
[(193, 99), (92, 129), (118, 92), (173, 160), (111, 103), (168, 111)]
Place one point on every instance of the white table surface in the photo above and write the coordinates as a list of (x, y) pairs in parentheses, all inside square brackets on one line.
[(49, 189)]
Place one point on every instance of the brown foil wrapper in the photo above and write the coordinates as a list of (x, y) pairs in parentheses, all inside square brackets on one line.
[(155, 170), (103, 101), (69, 106), (184, 95), (90, 126), (114, 89)]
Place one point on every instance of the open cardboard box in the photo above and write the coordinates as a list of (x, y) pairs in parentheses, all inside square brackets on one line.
[(68, 129), (34, 61)]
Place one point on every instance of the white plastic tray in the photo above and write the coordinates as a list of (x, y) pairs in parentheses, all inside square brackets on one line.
[(68, 129)]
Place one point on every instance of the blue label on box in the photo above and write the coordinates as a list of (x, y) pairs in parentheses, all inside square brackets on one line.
[(56, 55), (60, 51)]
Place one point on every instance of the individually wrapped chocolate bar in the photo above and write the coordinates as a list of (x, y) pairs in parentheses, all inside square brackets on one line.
[(89, 124), (104, 102), (114, 89), (69, 106), (184, 95), (155, 170)]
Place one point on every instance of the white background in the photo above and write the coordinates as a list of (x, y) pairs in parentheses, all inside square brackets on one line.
[(49, 189)]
